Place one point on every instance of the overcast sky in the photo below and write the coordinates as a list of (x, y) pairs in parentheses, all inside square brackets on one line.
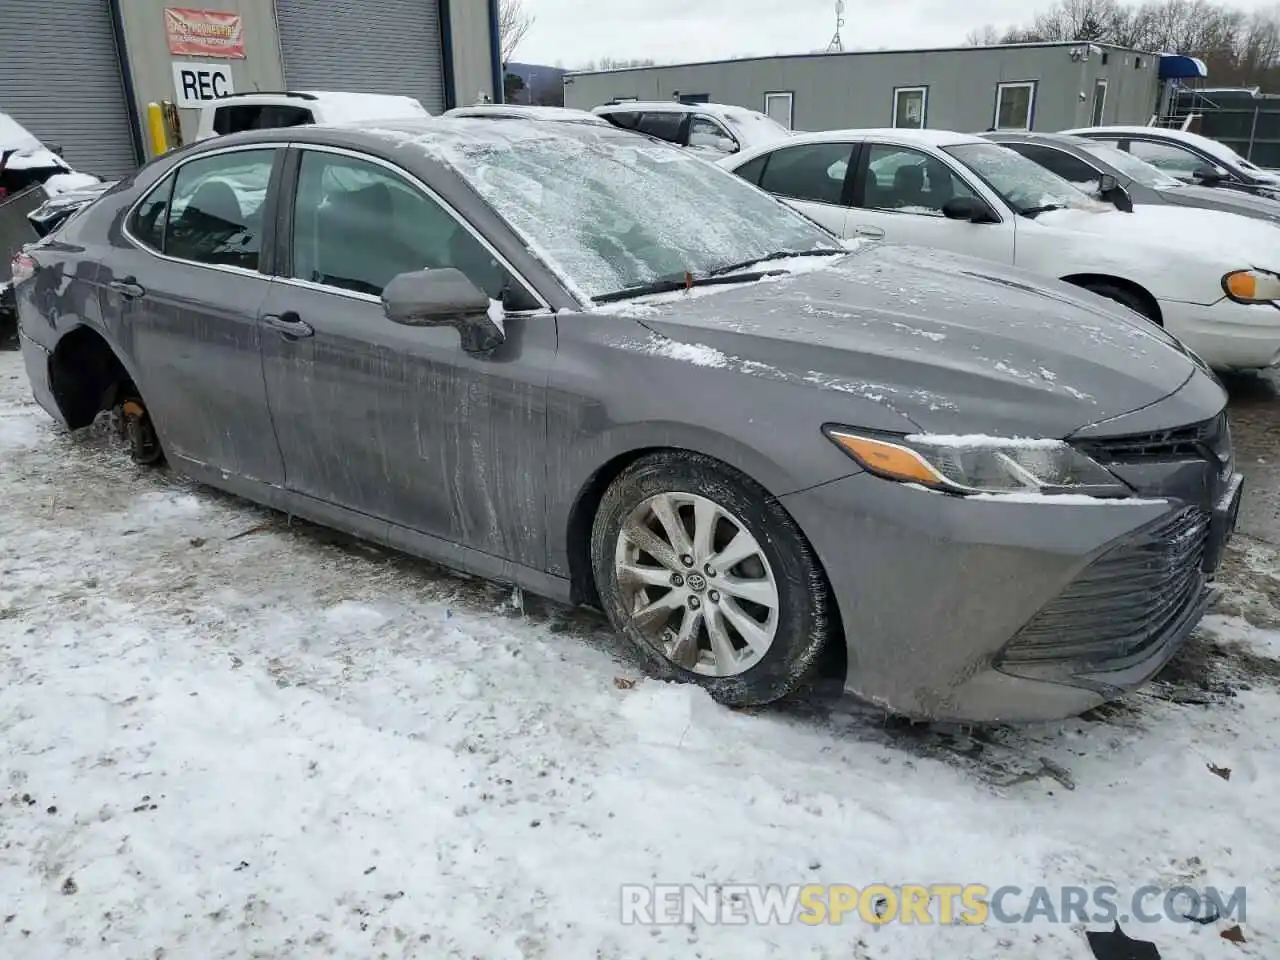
[(576, 31)]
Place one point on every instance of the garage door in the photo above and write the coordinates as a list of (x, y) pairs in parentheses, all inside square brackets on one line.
[(366, 46), (60, 78)]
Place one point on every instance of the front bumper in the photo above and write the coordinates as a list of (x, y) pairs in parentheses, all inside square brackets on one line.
[(936, 591), (1227, 335)]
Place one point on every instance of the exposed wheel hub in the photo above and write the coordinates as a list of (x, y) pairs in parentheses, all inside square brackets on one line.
[(139, 434)]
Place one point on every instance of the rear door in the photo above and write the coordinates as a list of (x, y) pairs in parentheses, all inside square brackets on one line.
[(815, 178), (899, 195), (184, 292), (392, 421)]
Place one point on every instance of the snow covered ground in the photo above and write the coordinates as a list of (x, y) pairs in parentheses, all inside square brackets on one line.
[(226, 736)]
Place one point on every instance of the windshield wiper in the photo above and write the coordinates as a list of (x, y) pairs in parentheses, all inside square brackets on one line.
[(779, 255), (672, 285), (1034, 212)]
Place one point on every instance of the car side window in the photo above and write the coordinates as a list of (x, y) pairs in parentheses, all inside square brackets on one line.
[(218, 207), (909, 181), (625, 119), (356, 225), (706, 134), (1069, 168), (663, 125), (149, 217), (1173, 160), (811, 171), (752, 169)]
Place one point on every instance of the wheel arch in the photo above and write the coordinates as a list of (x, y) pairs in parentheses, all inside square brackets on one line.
[(86, 374), (1087, 280), (580, 510)]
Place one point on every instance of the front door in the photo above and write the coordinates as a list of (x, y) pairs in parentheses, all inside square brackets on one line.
[(392, 421), (183, 298), (902, 194)]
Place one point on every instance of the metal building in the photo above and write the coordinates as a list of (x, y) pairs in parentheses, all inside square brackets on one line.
[(1031, 86), (79, 73)]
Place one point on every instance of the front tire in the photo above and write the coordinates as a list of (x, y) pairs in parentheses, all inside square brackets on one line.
[(710, 578)]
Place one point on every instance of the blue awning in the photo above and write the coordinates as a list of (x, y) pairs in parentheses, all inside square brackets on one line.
[(1178, 67)]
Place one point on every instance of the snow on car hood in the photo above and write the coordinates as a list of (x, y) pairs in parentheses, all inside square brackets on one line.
[(1212, 236), (954, 344)]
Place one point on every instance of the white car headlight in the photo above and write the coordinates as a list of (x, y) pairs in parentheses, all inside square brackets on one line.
[(965, 465), (1252, 286)]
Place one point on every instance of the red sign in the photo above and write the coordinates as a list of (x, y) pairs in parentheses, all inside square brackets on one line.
[(204, 33)]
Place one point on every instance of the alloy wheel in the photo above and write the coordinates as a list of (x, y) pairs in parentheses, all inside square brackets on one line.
[(696, 584)]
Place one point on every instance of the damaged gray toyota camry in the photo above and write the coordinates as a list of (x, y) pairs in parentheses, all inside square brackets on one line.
[(597, 367)]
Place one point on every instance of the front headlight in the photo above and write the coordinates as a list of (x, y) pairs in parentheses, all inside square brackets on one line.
[(965, 465), (1252, 286)]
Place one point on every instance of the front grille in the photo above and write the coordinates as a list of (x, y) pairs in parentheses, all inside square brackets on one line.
[(1210, 438), (1125, 601)]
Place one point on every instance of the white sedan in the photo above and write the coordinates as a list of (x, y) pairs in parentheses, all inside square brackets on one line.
[(1210, 278)]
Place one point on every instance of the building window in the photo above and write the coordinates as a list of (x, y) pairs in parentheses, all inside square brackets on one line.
[(780, 107), (1099, 102), (1015, 105), (910, 105)]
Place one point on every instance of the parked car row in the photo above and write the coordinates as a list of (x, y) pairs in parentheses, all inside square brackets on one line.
[(592, 364), (1203, 274)]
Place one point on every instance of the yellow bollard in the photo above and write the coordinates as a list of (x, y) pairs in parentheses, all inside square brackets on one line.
[(156, 129)]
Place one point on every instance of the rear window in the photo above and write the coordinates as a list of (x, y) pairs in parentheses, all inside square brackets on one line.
[(234, 119)]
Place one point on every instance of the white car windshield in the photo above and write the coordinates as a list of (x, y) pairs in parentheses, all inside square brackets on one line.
[(1132, 167), (609, 214), (757, 127), (1023, 184)]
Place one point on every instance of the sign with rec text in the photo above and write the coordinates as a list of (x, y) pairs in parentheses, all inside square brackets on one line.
[(195, 84), (204, 33)]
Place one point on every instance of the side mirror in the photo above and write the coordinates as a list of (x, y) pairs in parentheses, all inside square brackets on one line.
[(1110, 191), (443, 298), (1209, 175), (966, 208)]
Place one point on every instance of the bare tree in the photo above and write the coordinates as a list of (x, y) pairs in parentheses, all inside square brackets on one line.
[(984, 36), (513, 23)]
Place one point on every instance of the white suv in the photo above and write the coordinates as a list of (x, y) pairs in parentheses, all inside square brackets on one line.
[(713, 128), (260, 111)]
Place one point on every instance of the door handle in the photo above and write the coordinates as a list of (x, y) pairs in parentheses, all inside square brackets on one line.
[(128, 287), (289, 324), (870, 233)]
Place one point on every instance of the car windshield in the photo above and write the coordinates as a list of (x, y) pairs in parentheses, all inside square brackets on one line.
[(611, 213), (756, 125), (1131, 166), (1023, 184)]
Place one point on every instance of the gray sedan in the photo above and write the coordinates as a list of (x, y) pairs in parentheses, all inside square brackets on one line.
[(1089, 163), (602, 369)]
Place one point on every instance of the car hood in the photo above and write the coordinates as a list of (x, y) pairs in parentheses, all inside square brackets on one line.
[(1221, 198), (950, 343), (1213, 235)]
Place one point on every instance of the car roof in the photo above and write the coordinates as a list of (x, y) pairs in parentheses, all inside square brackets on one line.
[(671, 106), (398, 132), (1054, 139), (1164, 133), (524, 111), (932, 138)]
